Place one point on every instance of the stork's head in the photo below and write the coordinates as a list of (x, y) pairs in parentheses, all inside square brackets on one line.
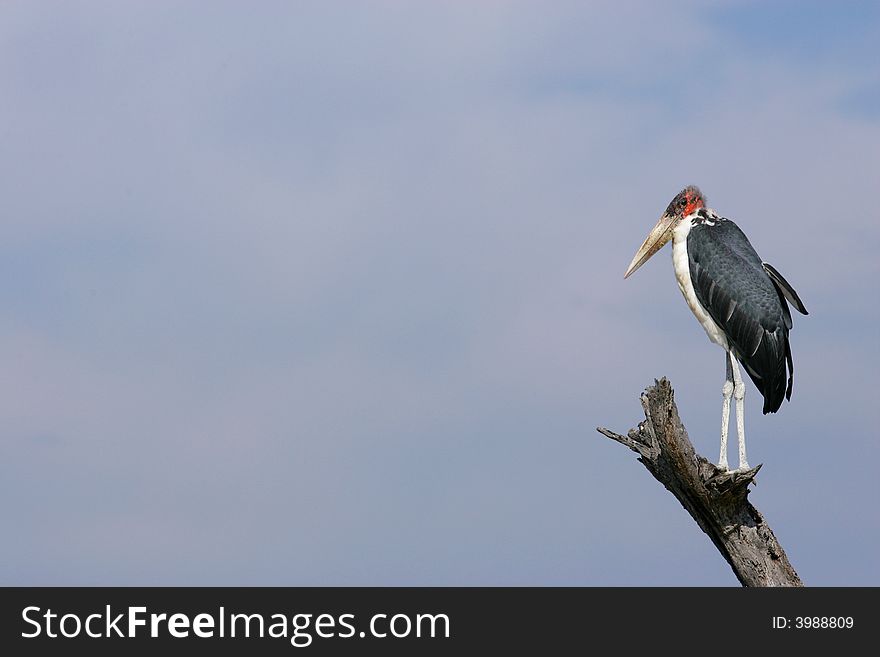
[(685, 203)]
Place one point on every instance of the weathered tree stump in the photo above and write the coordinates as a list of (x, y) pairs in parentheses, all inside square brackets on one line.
[(717, 500)]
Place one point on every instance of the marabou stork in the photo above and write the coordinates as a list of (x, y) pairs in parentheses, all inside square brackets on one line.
[(739, 300)]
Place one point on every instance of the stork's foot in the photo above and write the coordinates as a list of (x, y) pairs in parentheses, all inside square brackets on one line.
[(736, 482), (723, 467)]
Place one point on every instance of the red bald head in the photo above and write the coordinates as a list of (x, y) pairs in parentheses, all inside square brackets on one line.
[(688, 200)]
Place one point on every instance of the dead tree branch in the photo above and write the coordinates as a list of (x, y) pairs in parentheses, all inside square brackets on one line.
[(717, 500)]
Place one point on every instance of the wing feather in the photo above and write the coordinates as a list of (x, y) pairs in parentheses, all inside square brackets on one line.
[(785, 289)]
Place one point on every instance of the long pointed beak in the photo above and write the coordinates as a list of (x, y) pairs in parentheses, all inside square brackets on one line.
[(656, 239)]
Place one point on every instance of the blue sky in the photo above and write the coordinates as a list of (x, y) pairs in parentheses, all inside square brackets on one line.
[(332, 293)]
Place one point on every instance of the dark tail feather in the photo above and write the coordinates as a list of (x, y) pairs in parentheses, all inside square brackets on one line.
[(766, 368)]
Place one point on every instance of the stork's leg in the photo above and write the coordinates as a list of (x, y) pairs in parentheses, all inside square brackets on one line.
[(726, 393), (739, 394)]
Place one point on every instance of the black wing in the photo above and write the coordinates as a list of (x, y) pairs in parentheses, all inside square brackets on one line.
[(748, 303)]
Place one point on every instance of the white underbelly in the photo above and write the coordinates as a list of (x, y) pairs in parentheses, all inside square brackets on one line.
[(683, 276)]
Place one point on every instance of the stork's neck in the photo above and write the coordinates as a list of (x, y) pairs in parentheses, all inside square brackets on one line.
[(703, 216)]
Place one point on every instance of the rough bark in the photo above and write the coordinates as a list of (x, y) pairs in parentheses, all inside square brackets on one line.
[(717, 500)]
